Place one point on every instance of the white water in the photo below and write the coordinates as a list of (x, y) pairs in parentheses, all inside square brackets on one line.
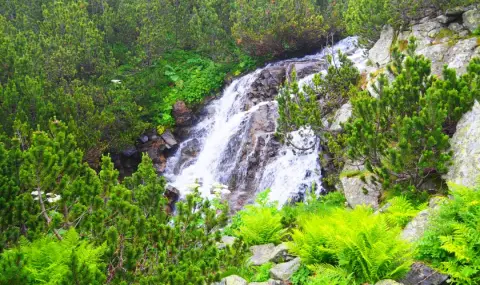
[(288, 172)]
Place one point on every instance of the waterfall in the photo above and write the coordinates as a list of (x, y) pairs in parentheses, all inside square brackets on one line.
[(234, 143)]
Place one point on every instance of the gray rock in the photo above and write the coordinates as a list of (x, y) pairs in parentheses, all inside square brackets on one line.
[(341, 116), (284, 271), (232, 280), (416, 228), (455, 12), (388, 282), (456, 27), (380, 53), (269, 282), (420, 274), (465, 144), (261, 253), (130, 151), (356, 191), (268, 253), (143, 139), (443, 19), (436, 53), (471, 19), (459, 55), (169, 139), (226, 240)]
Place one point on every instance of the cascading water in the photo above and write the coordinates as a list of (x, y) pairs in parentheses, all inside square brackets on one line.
[(234, 143)]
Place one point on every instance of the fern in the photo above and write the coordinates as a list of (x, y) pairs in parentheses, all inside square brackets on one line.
[(49, 261), (401, 211), (452, 243), (356, 241), (326, 274), (260, 223)]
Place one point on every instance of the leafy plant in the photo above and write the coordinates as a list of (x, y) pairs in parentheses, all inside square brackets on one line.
[(400, 211), (355, 241), (50, 261), (451, 242), (261, 223)]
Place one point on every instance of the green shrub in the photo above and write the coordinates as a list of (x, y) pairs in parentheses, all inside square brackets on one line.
[(402, 135), (356, 241), (452, 241), (260, 223)]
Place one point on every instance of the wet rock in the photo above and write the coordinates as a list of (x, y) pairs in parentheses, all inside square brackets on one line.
[(182, 114), (232, 280), (421, 274), (284, 271), (471, 19), (388, 282), (169, 139), (304, 69), (380, 53), (465, 145), (172, 194), (356, 191), (265, 87)]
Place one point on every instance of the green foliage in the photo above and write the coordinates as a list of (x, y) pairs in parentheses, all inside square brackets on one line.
[(361, 20), (354, 241), (451, 241), (326, 274), (400, 211), (313, 205), (402, 135), (260, 223), (131, 221), (49, 261), (301, 276), (271, 28)]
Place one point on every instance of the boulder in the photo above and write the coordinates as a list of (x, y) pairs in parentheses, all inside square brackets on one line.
[(421, 274), (471, 19), (232, 280), (341, 116), (380, 53), (465, 145), (226, 241), (444, 19), (356, 191), (172, 194), (388, 282), (269, 282), (460, 54), (268, 253), (169, 139), (456, 12), (436, 53), (182, 114), (456, 27), (265, 87), (284, 271), (416, 228)]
